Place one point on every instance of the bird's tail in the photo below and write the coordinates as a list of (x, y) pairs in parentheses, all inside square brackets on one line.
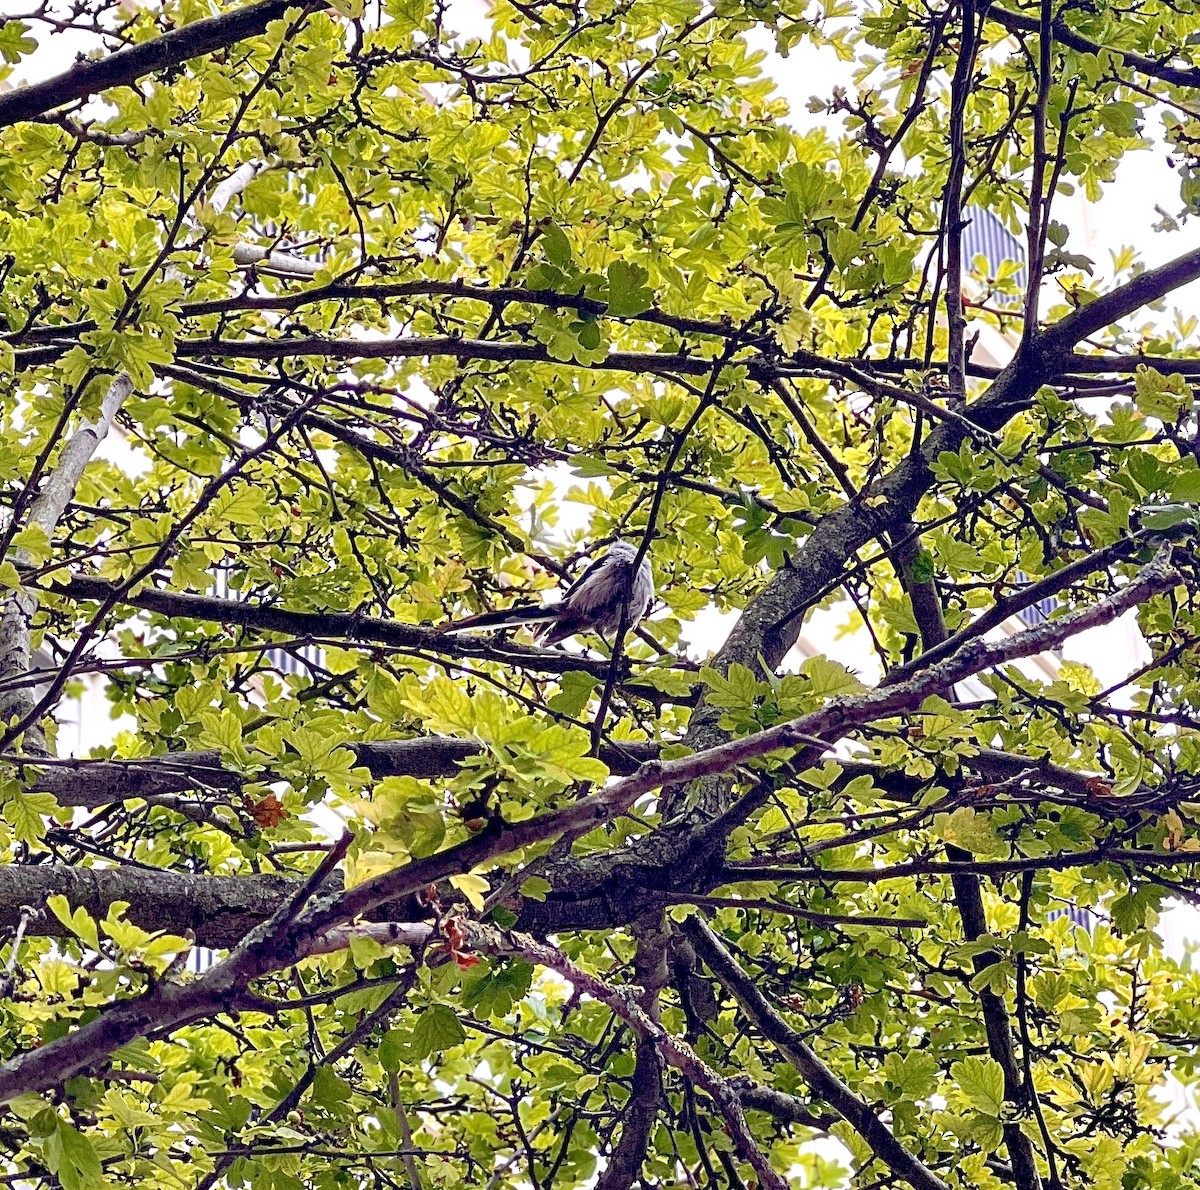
[(509, 617)]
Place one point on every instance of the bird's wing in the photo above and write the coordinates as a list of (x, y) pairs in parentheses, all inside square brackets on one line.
[(604, 585), (590, 572)]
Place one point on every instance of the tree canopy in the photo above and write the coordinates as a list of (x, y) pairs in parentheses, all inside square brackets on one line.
[(383, 326)]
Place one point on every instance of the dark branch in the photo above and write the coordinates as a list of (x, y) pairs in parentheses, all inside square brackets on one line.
[(94, 783), (1019, 22), (328, 626), (126, 66), (857, 1112)]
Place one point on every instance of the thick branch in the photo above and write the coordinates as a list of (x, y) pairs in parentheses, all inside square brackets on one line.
[(785, 1107), (1019, 22), (827, 725), (16, 620), (968, 898), (1111, 307), (94, 783), (126, 66), (771, 622), (219, 910), (1127, 364), (672, 1049), (646, 1091), (637, 1121)]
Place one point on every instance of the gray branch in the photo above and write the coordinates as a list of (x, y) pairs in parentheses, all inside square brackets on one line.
[(16, 620), (265, 617), (219, 910), (95, 783)]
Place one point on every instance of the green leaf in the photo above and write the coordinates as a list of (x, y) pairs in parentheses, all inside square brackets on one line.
[(575, 692), (535, 888), (437, 1029), (1168, 516), (969, 829), (1120, 117), (330, 1091), (737, 687), (394, 1049), (628, 293), (496, 990), (829, 679), (26, 813), (72, 1157), (913, 1074), (14, 45), (981, 1080), (995, 977), (243, 505), (34, 542), (78, 921), (1185, 486), (556, 246)]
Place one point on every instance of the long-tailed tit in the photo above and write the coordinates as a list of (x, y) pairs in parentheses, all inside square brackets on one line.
[(609, 593)]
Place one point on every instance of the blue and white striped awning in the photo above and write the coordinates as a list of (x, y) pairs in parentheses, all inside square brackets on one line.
[(986, 236)]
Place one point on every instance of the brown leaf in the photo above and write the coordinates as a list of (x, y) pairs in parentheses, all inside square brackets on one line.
[(268, 812)]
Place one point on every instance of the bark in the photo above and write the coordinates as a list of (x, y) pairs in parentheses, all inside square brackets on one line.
[(263, 617), (1020, 22), (646, 1093), (219, 911), (671, 1050), (16, 619), (125, 67), (968, 898), (94, 783), (823, 727)]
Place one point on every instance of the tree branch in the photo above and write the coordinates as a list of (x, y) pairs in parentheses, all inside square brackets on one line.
[(1019, 22), (673, 1050), (219, 911), (16, 619), (828, 724), (326, 625), (646, 1091), (968, 898), (857, 1112), (126, 66), (1111, 307), (94, 783)]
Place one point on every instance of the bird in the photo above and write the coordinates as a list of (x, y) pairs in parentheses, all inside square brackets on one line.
[(609, 594)]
